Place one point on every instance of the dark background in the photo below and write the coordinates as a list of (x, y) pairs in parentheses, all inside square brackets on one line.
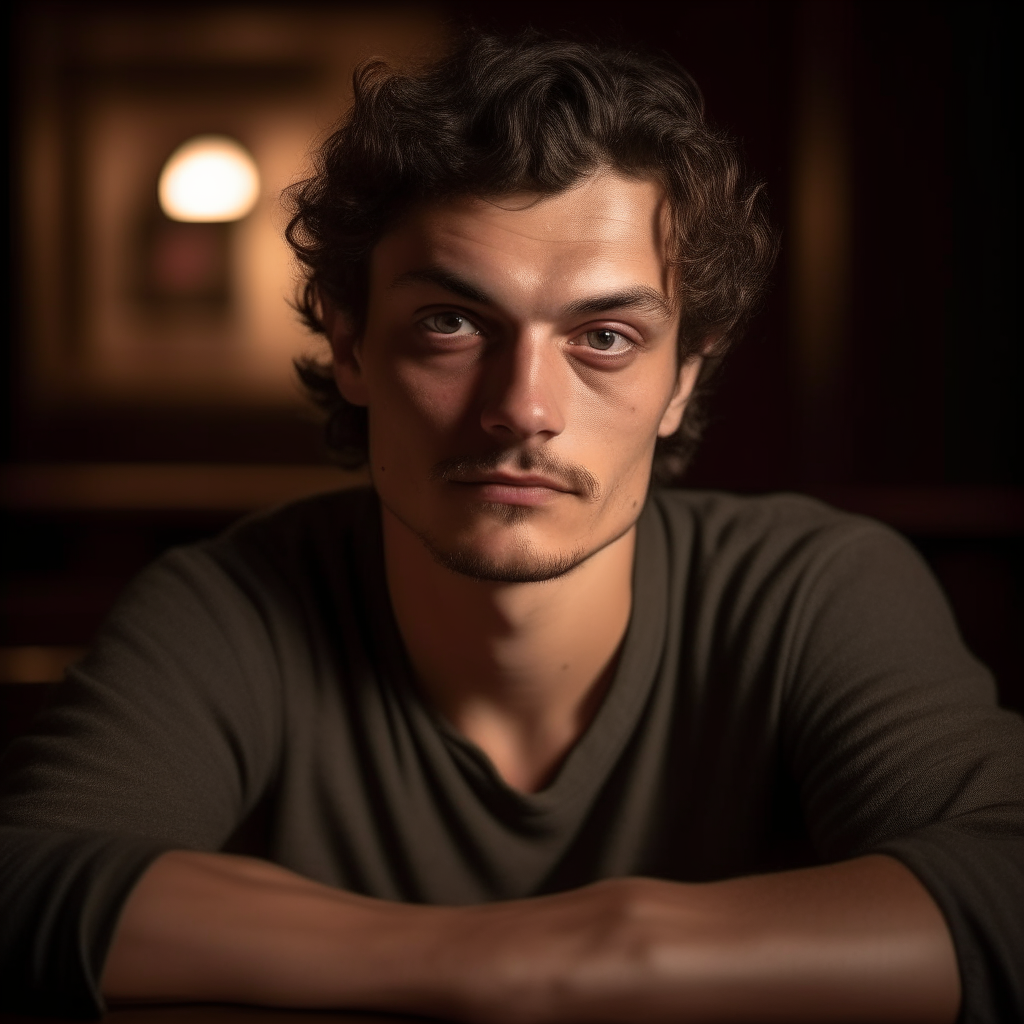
[(880, 375)]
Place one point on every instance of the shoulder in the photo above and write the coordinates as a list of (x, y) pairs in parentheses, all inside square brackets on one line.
[(269, 560), (321, 519), (768, 532), (331, 528), (722, 514), (791, 574)]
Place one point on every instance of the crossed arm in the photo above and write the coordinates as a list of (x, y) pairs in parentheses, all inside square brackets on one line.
[(857, 941)]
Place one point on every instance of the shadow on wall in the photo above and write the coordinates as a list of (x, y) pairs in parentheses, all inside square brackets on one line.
[(139, 300), (152, 394)]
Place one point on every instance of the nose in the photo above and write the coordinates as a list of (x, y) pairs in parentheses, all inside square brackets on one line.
[(522, 396)]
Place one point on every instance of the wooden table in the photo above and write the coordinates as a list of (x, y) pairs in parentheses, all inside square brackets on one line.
[(202, 1014)]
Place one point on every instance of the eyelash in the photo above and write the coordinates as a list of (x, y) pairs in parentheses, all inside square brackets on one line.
[(605, 330), (578, 341), (453, 313)]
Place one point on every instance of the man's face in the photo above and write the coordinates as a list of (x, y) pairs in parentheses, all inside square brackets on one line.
[(518, 363)]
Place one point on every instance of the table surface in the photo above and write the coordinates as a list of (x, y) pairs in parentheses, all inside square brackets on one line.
[(204, 1014)]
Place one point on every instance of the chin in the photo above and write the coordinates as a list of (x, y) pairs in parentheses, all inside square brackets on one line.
[(501, 543), (505, 544), (518, 567)]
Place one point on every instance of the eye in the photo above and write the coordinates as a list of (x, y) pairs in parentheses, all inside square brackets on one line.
[(606, 340), (449, 323)]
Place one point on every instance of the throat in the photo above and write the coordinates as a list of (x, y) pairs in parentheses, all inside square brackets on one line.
[(519, 669), (528, 744)]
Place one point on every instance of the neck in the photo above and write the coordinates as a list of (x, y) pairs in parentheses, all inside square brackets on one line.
[(519, 669)]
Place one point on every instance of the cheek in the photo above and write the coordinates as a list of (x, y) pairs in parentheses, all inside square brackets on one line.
[(621, 413), (423, 398)]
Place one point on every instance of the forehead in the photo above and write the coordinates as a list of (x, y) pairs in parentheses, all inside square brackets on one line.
[(608, 228)]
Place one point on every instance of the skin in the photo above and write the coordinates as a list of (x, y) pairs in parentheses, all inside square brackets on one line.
[(549, 437), (512, 457)]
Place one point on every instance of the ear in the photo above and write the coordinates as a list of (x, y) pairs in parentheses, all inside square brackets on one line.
[(685, 383), (346, 355)]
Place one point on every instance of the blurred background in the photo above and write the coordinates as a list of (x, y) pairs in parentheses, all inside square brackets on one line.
[(148, 395)]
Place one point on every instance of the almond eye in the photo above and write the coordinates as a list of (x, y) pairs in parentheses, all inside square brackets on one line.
[(450, 323), (604, 339)]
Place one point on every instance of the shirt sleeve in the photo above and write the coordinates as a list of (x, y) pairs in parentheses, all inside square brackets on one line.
[(166, 737), (899, 747)]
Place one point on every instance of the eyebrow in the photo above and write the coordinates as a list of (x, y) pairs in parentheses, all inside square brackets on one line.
[(444, 279), (639, 297)]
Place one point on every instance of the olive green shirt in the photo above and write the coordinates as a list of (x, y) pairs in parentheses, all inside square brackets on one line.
[(792, 689)]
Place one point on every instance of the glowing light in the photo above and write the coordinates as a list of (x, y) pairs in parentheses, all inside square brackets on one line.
[(209, 178)]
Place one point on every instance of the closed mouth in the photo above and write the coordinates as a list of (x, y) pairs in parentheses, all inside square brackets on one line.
[(511, 480)]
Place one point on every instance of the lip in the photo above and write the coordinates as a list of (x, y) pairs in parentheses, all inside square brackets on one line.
[(515, 480), (513, 489)]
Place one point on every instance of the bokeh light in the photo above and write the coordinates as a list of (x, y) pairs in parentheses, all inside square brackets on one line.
[(210, 178)]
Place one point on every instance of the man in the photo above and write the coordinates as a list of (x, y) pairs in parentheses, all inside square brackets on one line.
[(531, 744)]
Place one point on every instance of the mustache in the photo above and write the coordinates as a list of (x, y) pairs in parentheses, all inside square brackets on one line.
[(569, 475)]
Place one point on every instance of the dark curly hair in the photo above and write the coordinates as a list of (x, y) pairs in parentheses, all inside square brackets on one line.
[(529, 114)]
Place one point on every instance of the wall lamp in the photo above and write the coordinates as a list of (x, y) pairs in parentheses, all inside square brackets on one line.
[(209, 179)]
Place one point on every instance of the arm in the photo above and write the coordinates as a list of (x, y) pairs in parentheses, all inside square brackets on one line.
[(858, 940)]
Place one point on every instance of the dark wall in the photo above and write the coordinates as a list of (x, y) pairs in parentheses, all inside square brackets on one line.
[(927, 95), (920, 386), (923, 390)]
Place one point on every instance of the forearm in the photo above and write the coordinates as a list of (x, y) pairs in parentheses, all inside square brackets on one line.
[(855, 941), (218, 928)]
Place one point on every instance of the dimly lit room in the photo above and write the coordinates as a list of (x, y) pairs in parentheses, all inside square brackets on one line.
[(150, 394)]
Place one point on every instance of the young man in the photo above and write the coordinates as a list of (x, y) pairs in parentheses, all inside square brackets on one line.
[(532, 743)]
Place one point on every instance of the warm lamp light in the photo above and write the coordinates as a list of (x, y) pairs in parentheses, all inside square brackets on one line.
[(208, 179)]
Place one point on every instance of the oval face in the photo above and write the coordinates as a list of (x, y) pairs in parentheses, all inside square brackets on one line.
[(518, 364)]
